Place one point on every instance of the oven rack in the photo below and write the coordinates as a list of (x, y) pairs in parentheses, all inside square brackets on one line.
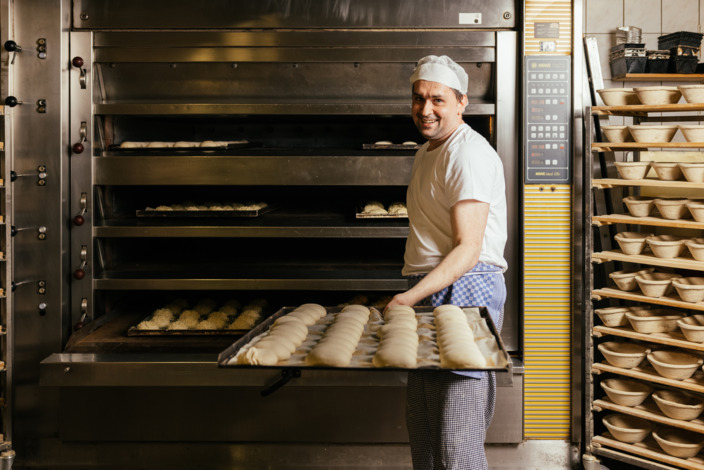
[(291, 169), (282, 223), (256, 278), (126, 229)]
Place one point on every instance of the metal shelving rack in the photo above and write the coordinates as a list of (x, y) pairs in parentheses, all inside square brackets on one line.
[(647, 454)]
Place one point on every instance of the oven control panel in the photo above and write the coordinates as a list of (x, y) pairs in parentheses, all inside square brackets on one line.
[(547, 119)]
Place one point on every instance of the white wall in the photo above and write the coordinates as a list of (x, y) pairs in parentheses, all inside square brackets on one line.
[(654, 17)]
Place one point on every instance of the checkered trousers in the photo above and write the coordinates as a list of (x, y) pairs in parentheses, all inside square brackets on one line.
[(447, 413)]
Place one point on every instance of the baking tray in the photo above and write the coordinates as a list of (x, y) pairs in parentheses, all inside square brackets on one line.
[(230, 146), (229, 353), (204, 213), (390, 147), (359, 214), (134, 331)]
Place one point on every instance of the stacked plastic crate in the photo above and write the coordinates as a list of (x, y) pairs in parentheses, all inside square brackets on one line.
[(684, 50)]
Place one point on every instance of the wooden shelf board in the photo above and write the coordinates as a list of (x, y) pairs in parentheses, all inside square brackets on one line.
[(643, 109), (674, 338), (651, 450), (646, 372), (683, 262), (609, 219), (650, 411), (606, 183), (659, 77), (669, 300), (615, 146)]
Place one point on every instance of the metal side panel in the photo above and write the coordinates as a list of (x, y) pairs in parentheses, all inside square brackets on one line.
[(217, 14), (6, 317), (507, 145), (37, 131)]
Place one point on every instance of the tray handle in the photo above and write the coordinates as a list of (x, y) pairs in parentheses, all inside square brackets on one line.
[(286, 376)]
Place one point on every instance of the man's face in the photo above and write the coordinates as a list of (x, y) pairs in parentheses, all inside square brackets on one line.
[(436, 111)]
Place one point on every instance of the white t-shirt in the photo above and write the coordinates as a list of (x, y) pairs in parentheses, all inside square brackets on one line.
[(465, 167)]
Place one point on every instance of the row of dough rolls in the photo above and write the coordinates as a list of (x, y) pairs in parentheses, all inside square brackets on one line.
[(398, 339), (285, 336), (455, 339), (340, 339)]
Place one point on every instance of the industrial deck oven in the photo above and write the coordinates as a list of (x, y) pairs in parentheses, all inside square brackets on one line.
[(124, 115)]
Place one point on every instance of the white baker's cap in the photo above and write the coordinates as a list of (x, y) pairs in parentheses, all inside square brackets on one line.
[(443, 70)]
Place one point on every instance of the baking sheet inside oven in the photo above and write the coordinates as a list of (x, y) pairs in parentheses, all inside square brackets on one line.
[(207, 318), (361, 214), (188, 214), (485, 332), (390, 146), (171, 147)]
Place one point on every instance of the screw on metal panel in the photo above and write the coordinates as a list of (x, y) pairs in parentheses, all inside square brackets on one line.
[(41, 182), (84, 16), (507, 15), (67, 369), (41, 291), (41, 168), (41, 41)]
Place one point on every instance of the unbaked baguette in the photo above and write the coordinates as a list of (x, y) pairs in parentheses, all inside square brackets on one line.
[(455, 340)]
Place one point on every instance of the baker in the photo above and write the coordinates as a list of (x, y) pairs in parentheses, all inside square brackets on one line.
[(454, 255)]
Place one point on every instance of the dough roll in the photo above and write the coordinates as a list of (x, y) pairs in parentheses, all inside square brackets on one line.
[(340, 339), (398, 339), (455, 339)]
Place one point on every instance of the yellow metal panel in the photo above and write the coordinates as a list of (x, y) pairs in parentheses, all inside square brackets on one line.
[(547, 245), (557, 14)]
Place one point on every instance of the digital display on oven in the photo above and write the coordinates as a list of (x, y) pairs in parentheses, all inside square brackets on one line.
[(547, 113)]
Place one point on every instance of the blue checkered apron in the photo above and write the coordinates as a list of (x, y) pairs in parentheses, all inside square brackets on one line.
[(448, 413)]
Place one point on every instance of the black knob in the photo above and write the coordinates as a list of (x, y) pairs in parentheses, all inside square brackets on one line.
[(79, 274), (13, 175), (12, 46), (79, 220), (11, 101), (78, 148), (78, 62)]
